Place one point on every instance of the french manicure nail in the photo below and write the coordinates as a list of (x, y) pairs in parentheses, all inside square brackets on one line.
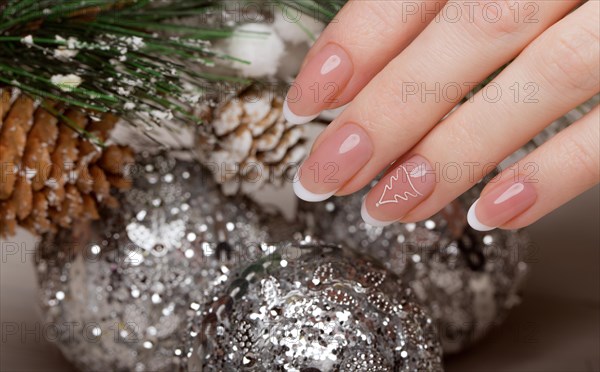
[(318, 84), (296, 119), (337, 159), (502, 203), (399, 191)]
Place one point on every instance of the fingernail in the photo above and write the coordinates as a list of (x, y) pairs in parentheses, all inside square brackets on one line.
[(399, 191), (318, 84), (501, 204), (337, 159)]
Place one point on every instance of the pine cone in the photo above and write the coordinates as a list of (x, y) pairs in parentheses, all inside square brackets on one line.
[(52, 176), (249, 143)]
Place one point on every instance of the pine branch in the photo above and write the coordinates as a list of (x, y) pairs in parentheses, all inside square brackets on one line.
[(126, 57), (323, 10), (133, 58)]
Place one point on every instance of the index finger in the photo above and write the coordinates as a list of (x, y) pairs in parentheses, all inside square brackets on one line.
[(357, 44)]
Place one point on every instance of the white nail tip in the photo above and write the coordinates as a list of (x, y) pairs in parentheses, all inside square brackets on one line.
[(296, 119), (370, 220), (474, 221), (308, 196)]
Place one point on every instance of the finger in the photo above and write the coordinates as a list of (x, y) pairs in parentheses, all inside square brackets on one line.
[(561, 68), (389, 119), (566, 165), (362, 39)]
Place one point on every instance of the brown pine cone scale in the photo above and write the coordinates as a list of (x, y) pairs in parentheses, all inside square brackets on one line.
[(51, 175)]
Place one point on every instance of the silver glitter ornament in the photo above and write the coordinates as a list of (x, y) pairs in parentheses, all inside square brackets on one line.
[(467, 280), (315, 307), (121, 293)]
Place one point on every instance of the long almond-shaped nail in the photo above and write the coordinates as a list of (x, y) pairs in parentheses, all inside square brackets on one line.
[(337, 159), (502, 203), (399, 191), (318, 84)]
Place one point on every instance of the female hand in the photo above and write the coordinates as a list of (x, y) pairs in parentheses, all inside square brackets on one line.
[(404, 65)]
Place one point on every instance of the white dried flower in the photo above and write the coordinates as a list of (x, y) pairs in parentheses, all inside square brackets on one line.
[(258, 44), (296, 27)]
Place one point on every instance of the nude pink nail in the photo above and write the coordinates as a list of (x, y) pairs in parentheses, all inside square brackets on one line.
[(502, 203), (318, 84), (337, 159), (399, 191)]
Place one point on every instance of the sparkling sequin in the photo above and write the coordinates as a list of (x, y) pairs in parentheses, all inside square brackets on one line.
[(126, 291), (466, 280), (284, 321)]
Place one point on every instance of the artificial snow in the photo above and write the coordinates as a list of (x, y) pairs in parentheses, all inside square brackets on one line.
[(28, 40), (66, 83), (129, 106), (161, 115), (70, 43), (64, 54)]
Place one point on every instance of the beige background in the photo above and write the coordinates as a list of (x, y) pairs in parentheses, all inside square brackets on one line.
[(556, 328)]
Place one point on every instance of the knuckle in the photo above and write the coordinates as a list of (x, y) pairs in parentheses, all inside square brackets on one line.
[(382, 110), (390, 102), (380, 115), (571, 60), (463, 138), (497, 19), (579, 156), (377, 18)]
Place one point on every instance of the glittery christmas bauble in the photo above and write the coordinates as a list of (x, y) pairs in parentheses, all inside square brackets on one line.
[(467, 280), (120, 293), (315, 307)]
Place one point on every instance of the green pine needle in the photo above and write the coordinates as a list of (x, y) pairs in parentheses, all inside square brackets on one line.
[(130, 56), (133, 58)]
